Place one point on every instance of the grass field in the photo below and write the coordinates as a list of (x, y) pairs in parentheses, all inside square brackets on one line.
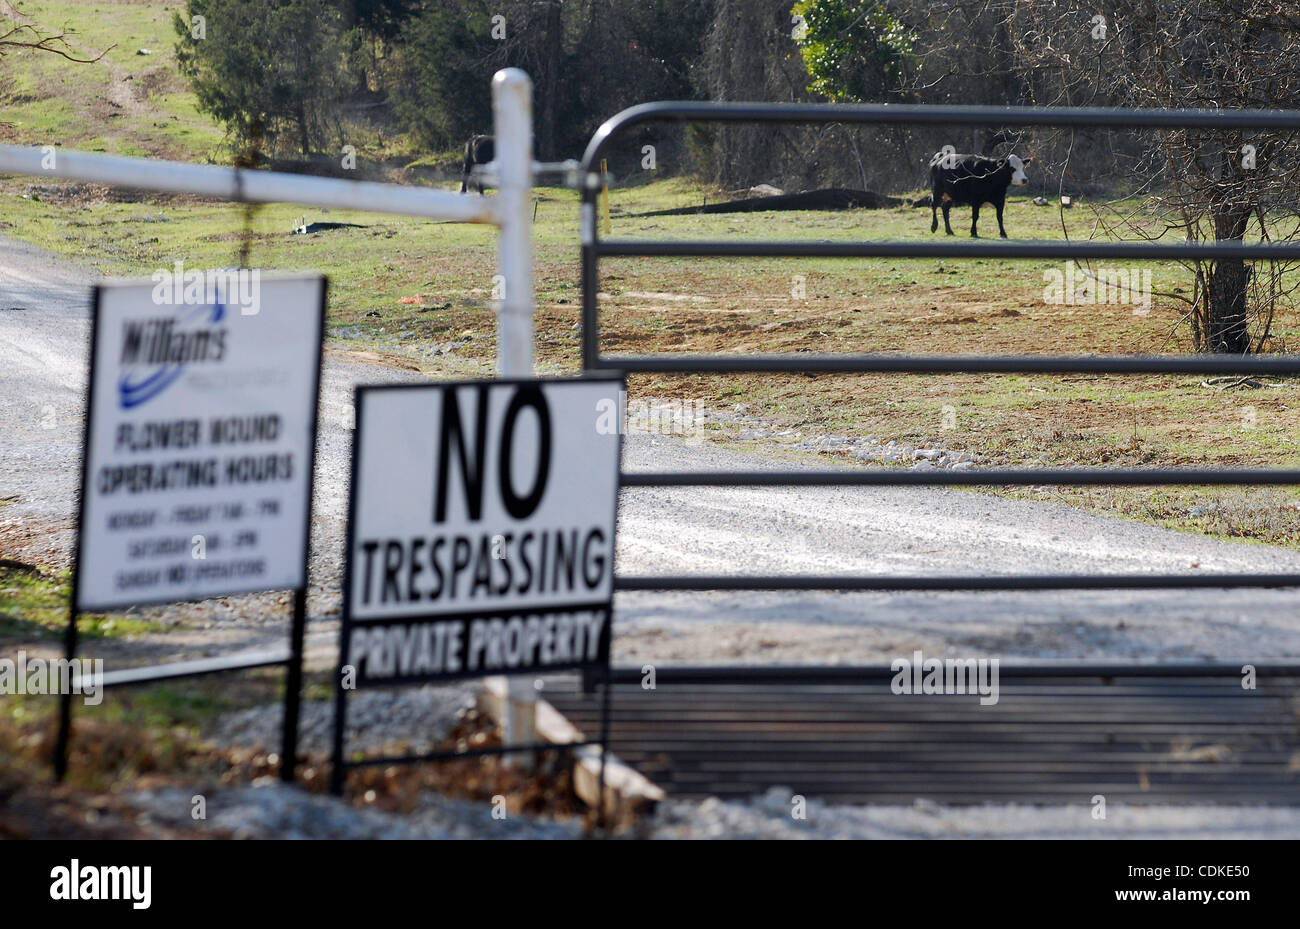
[(417, 291), (34, 606), (127, 103)]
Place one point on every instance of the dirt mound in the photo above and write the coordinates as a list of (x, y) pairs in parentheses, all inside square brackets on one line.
[(831, 198)]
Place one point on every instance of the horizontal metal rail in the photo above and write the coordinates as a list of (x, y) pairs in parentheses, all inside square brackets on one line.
[(995, 477), (898, 582), (740, 248), (854, 674), (468, 753), (246, 186), (798, 363), (914, 115), (240, 661)]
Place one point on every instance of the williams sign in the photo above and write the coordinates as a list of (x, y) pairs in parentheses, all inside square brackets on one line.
[(200, 431)]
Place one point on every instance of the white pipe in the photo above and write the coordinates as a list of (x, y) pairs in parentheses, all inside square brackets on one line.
[(245, 185), (512, 111)]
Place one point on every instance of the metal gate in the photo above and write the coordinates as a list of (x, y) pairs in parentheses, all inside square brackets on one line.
[(593, 249), (738, 730)]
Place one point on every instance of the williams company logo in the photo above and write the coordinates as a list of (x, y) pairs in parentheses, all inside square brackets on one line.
[(921, 675), (155, 351)]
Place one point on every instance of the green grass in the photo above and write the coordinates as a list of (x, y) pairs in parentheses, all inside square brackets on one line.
[(155, 731), (193, 704), (985, 305), (49, 100), (34, 604), (117, 28)]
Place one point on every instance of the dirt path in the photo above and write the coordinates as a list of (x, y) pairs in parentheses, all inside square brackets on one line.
[(122, 86)]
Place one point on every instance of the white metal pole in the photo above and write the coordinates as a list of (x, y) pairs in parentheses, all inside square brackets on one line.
[(254, 186), (512, 109)]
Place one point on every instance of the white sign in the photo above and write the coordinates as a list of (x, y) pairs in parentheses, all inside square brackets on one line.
[(481, 534), (200, 432)]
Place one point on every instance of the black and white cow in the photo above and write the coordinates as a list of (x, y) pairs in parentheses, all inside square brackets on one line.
[(479, 150), (972, 180)]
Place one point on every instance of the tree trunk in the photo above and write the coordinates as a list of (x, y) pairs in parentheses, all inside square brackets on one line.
[(552, 54), (304, 137), (1226, 324)]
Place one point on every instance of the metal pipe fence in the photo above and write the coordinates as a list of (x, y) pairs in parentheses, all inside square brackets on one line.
[(594, 249)]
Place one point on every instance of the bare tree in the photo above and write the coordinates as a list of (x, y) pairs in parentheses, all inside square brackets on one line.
[(1200, 184), (23, 35)]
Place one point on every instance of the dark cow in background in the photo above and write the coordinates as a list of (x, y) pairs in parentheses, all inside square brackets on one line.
[(972, 180), (478, 151)]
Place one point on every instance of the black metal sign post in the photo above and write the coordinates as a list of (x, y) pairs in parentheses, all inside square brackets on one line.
[(158, 349), (480, 542)]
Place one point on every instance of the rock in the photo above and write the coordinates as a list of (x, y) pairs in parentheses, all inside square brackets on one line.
[(274, 810), (422, 717)]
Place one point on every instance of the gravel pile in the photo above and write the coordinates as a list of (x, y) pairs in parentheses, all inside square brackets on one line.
[(862, 448), (271, 810), (419, 717), (769, 817)]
